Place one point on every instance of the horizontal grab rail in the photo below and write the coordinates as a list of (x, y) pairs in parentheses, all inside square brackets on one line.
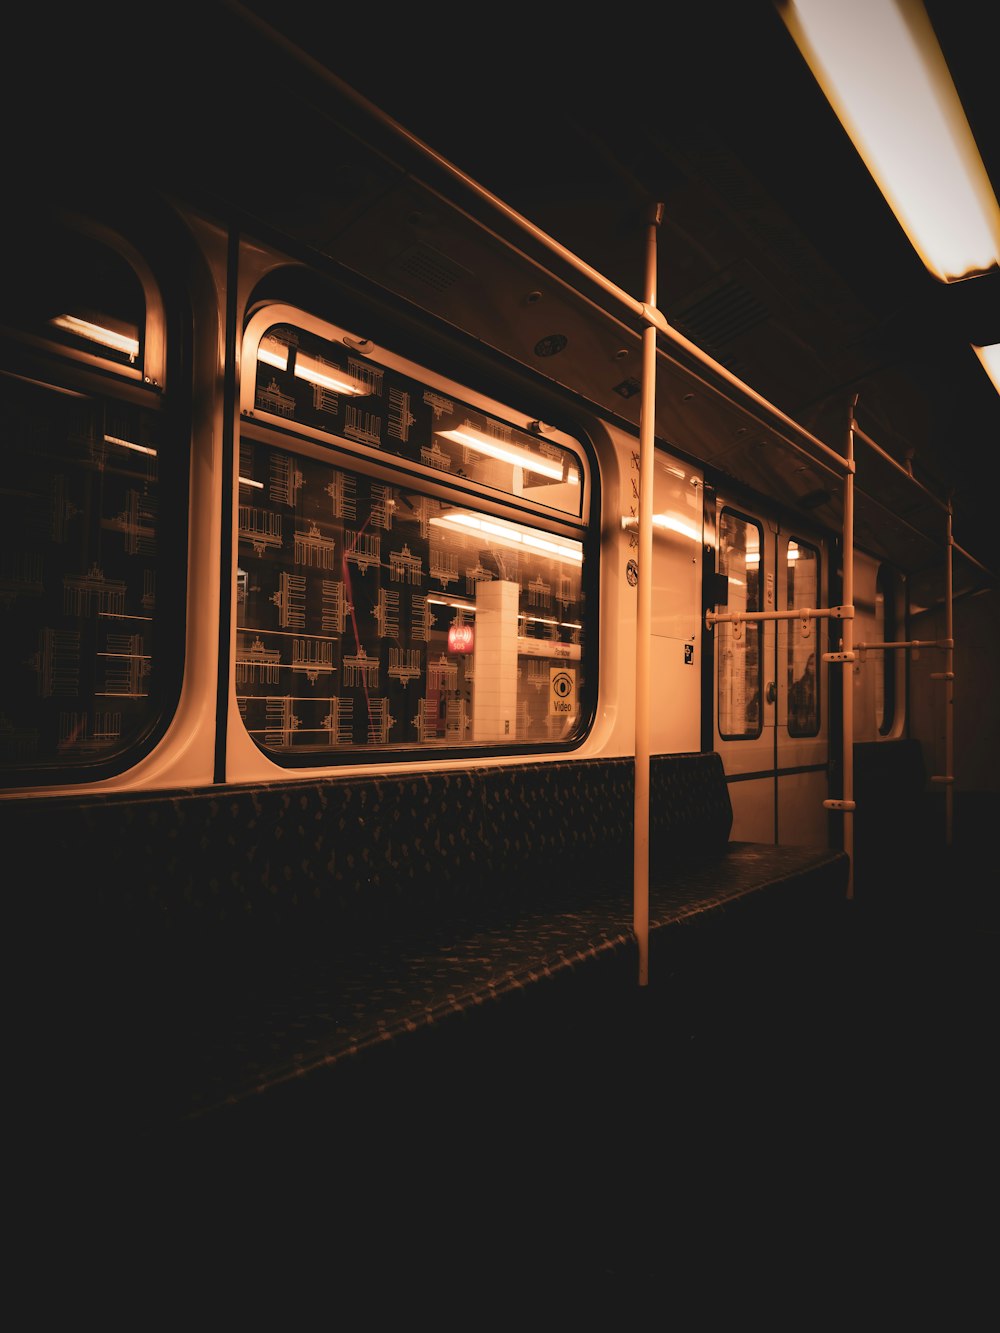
[(804, 613), (911, 643)]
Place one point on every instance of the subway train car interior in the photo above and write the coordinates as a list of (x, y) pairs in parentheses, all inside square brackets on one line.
[(499, 583)]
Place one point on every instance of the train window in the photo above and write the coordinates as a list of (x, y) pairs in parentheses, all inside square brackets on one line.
[(74, 291), (386, 598), (886, 631), (83, 678), (802, 590), (338, 387), (740, 666)]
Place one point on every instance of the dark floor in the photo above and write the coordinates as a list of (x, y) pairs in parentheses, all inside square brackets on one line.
[(821, 1094)]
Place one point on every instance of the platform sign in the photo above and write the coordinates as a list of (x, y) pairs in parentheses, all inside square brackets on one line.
[(562, 691)]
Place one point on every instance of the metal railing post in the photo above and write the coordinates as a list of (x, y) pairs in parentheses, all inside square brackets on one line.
[(644, 613)]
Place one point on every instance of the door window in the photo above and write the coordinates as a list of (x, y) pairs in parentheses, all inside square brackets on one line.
[(740, 665), (802, 591)]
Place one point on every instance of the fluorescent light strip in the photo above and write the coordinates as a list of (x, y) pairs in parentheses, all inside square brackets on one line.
[(127, 444), (470, 523), (509, 453), (547, 620), (327, 375), (447, 601), (886, 78), (273, 353), (97, 333), (257, 485)]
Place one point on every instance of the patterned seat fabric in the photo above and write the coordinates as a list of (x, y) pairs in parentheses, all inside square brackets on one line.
[(224, 941)]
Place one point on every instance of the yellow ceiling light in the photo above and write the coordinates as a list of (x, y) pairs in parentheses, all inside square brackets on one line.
[(990, 357), (881, 68)]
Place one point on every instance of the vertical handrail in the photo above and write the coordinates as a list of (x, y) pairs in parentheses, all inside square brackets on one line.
[(644, 613), (949, 701), (847, 647), (656, 322)]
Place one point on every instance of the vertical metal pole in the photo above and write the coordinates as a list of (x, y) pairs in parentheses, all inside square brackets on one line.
[(847, 647), (949, 698), (644, 614)]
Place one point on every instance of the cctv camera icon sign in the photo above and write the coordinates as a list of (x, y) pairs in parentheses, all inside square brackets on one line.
[(562, 692)]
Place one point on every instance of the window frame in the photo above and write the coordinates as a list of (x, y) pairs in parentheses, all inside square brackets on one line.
[(112, 388), (375, 464), (755, 627)]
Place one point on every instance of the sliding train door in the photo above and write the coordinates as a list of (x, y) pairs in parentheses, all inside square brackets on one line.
[(768, 712)]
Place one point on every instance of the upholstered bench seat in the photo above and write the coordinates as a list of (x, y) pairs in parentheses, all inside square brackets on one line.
[(356, 1002), (194, 950)]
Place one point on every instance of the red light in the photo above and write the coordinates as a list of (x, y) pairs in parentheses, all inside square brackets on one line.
[(461, 638)]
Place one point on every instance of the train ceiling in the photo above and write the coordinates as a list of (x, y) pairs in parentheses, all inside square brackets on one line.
[(776, 255)]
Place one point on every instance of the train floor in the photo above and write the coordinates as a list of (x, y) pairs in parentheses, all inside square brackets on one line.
[(820, 1108)]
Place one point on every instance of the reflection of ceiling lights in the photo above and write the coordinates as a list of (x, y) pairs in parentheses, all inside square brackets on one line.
[(508, 535), (130, 444), (547, 620), (510, 453), (99, 333), (326, 375), (673, 524), (668, 522), (272, 352), (450, 601)]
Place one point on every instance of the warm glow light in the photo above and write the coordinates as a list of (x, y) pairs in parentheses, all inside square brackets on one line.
[(327, 375), (450, 601), (511, 536), (990, 357), (880, 66), (673, 524), (128, 444), (547, 620), (98, 333), (509, 453), (273, 353), (669, 522)]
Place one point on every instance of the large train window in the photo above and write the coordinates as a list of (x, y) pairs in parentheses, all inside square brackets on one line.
[(740, 666), (83, 683), (95, 303), (411, 565), (802, 589)]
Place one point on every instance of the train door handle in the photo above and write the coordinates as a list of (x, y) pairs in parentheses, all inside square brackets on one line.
[(771, 693)]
